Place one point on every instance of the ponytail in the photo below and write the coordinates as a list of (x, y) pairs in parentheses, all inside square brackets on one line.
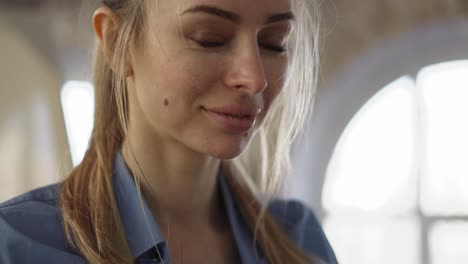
[(90, 214)]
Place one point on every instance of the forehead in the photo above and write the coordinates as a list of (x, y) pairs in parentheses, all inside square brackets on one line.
[(247, 9)]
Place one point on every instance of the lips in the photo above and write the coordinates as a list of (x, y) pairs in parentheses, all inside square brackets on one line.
[(234, 118), (236, 111)]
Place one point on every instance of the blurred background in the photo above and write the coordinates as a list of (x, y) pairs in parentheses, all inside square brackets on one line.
[(384, 161)]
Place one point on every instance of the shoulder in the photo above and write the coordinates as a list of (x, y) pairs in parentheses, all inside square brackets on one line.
[(45, 194), (31, 206), (32, 223), (300, 223)]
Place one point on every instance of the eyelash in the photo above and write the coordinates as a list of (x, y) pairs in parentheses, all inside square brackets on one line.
[(214, 44)]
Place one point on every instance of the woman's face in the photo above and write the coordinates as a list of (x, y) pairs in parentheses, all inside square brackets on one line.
[(205, 72)]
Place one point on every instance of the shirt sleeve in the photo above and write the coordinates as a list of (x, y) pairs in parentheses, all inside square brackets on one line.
[(302, 226)]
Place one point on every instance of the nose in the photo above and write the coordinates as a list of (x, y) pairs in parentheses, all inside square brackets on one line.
[(245, 70)]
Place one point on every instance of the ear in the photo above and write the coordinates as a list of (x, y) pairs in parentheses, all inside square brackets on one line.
[(105, 25)]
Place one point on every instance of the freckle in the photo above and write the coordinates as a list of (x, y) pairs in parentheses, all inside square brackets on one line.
[(246, 134), (166, 102)]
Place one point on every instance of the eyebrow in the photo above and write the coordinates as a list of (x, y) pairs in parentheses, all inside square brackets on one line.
[(231, 16)]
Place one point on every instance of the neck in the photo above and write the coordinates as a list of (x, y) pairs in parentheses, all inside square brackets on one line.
[(178, 184)]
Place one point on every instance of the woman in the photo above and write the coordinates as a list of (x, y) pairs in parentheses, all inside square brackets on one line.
[(182, 87)]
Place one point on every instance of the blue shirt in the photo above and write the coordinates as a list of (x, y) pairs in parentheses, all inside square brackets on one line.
[(31, 226)]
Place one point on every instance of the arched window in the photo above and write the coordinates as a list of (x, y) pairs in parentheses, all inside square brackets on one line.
[(396, 189)]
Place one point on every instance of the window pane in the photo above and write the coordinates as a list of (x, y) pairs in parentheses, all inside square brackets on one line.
[(78, 108), (367, 241), (372, 165), (449, 243), (445, 171)]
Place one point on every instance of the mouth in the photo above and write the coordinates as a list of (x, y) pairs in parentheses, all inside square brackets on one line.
[(232, 122), (233, 116)]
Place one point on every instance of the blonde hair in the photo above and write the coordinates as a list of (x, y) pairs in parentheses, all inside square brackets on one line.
[(87, 199)]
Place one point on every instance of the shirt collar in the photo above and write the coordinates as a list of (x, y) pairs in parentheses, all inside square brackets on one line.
[(136, 225), (141, 230)]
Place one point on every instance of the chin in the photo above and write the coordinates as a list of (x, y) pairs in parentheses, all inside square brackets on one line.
[(226, 152), (227, 156)]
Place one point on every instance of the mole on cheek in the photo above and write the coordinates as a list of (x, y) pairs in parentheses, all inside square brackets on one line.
[(166, 102)]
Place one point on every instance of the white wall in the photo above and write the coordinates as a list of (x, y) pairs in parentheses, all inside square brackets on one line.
[(33, 148)]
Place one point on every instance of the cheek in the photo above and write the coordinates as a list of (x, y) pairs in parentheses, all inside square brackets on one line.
[(173, 91), (187, 81), (276, 74)]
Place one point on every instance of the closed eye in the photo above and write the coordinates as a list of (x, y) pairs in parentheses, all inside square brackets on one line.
[(218, 44), (274, 48), (210, 44)]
